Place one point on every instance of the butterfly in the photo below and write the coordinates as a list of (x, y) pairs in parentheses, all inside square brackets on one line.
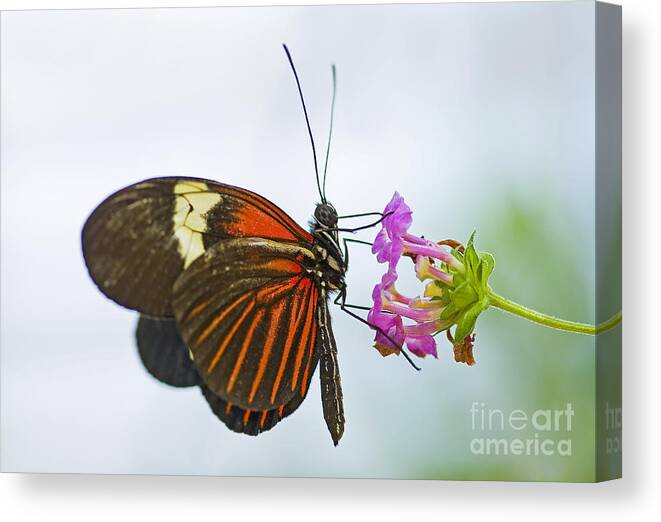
[(233, 294)]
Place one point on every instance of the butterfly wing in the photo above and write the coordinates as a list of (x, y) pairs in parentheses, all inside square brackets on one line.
[(164, 354), (247, 310), (251, 422), (239, 268), (139, 240), (167, 358)]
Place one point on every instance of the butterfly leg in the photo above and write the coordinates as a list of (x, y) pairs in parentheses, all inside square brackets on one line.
[(345, 242), (345, 308), (341, 301), (338, 299), (356, 229)]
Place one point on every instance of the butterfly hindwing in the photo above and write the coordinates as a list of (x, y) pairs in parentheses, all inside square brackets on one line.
[(164, 354), (238, 419), (166, 357), (253, 422), (247, 309), (139, 240)]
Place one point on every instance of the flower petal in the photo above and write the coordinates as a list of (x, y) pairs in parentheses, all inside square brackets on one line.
[(422, 345), (388, 244), (391, 329)]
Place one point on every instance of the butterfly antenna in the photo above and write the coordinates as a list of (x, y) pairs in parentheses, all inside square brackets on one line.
[(307, 121), (330, 130)]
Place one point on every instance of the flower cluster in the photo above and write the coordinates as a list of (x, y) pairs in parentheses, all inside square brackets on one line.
[(455, 291)]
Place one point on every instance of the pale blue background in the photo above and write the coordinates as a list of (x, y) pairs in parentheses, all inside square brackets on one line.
[(482, 116)]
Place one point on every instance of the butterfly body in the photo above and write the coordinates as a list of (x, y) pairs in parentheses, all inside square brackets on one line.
[(331, 265), (226, 276)]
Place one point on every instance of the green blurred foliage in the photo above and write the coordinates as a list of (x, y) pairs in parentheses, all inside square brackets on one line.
[(543, 260)]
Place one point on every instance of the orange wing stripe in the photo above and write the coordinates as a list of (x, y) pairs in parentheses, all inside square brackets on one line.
[(279, 265), (308, 325), (268, 345), (261, 218), (263, 419), (195, 311), (229, 336), (278, 212), (284, 265), (295, 319), (270, 293), (212, 326), (246, 416), (244, 349)]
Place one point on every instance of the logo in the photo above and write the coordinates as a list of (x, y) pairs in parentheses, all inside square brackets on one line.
[(543, 433)]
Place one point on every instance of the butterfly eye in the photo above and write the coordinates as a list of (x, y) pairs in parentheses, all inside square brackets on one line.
[(325, 215)]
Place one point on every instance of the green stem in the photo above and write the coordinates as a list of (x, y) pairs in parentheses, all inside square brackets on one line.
[(550, 321)]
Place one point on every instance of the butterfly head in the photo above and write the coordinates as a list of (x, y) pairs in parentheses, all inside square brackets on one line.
[(326, 215)]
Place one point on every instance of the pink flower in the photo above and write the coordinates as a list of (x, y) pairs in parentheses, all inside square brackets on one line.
[(387, 313), (425, 270), (391, 337), (393, 240), (388, 244), (422, 345), (390, 308)]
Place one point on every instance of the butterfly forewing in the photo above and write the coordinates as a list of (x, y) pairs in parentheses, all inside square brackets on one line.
[(138, 241)]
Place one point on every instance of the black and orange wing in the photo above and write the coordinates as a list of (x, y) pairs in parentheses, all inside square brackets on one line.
[(247, 310), (252, 422), (167, 358), (140, 239)]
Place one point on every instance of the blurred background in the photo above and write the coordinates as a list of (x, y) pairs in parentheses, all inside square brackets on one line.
[(482, 116)]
